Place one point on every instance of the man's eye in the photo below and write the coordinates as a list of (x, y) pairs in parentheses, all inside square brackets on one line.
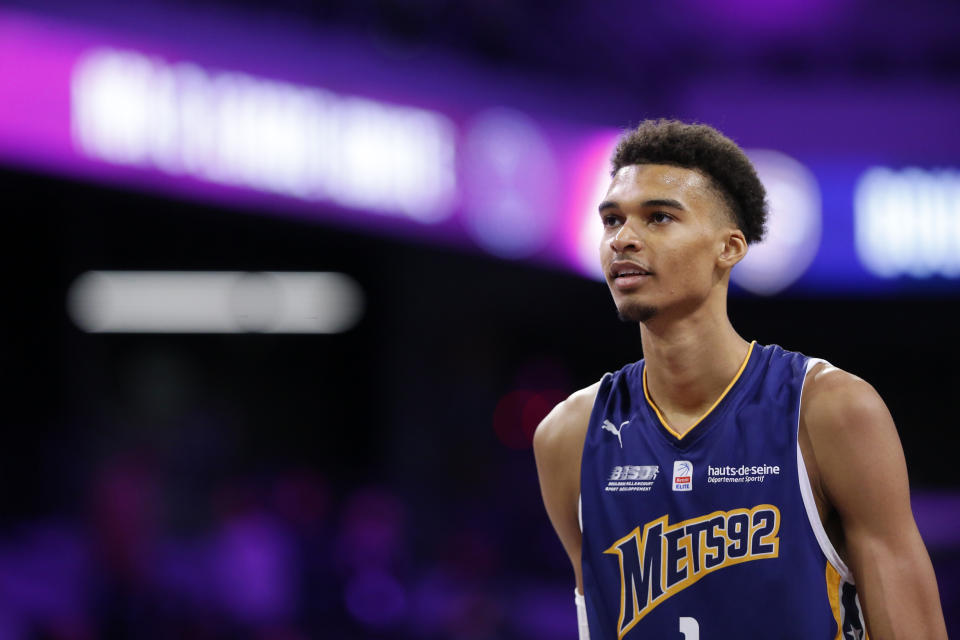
[(659, 217), (610, 221)]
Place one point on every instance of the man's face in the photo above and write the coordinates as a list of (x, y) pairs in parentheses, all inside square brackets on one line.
[(664, 229)]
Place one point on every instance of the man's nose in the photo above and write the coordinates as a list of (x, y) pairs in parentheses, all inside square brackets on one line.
[(625, 239)]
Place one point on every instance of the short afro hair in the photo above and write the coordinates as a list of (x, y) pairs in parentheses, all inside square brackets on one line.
[(701, 147)]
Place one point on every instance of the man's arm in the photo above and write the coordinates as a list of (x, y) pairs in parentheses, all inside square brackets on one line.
[(861, 472), (558, 446)]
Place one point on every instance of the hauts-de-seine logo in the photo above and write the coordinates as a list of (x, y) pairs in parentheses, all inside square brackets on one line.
[(682, 475), (741, 473)]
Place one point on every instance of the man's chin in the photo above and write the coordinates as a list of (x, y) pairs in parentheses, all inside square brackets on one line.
[(636, 313)]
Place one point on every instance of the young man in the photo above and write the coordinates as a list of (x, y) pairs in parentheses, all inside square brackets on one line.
[(719, 488)]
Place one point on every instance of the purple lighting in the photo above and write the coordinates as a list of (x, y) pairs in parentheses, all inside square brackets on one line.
[(97, 105), (386, 152), (512, 187), (255, 569), (780, 15), (376, 599), (793, 225), (35, 63), (938, 518)]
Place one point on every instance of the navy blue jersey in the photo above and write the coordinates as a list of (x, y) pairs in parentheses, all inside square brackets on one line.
[(713, 535)]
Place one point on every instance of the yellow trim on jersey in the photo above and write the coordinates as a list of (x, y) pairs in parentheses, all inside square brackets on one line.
[(663, 421), (833, 594)]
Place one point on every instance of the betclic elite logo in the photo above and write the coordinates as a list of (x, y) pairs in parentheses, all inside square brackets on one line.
[(682, 475)]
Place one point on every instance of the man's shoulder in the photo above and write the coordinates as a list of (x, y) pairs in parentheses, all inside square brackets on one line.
[(838, 404), (566, 424)]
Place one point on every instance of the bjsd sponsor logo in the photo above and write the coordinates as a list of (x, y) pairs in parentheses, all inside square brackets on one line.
[(632, 478), (659, 559)]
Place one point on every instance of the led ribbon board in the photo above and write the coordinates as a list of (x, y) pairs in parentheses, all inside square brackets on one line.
[(391, 154), (98, 105)]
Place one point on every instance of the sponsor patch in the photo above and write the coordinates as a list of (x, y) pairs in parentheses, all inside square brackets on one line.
[(740, 473), (682, 475), (632, 478)]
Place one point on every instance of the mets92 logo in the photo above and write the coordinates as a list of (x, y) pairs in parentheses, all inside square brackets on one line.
[(659, 560)]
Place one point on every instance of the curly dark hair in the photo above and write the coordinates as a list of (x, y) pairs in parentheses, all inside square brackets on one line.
[(701, 147)]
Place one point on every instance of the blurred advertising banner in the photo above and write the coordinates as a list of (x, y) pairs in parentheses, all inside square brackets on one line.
[(278, 123)]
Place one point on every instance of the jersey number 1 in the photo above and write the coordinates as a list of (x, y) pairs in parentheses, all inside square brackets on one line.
[(690, 628)]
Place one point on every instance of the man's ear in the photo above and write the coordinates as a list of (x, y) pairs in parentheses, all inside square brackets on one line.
[(733, 250)]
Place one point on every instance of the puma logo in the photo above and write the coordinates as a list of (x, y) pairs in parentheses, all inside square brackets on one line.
[(612, 428)]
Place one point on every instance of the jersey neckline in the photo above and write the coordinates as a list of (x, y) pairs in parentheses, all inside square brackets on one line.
[(684, 438)]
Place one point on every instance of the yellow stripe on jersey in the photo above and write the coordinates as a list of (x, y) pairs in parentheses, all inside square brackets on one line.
[(833, 593), (663, 421)]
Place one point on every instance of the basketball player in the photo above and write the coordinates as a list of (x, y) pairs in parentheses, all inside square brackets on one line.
[(720, 489)]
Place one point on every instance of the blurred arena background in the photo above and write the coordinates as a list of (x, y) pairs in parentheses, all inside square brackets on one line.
[(287, 287)]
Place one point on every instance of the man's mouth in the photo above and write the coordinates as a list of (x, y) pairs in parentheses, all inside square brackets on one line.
[(628, 270), (627, 275)]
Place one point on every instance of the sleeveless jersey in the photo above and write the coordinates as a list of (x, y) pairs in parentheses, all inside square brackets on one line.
[(713, 535)]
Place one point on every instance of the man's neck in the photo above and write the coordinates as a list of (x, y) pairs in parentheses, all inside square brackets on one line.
[(689, 363)]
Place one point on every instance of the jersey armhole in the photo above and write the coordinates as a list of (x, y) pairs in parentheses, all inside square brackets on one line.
[(810, 504), (587, 436)]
